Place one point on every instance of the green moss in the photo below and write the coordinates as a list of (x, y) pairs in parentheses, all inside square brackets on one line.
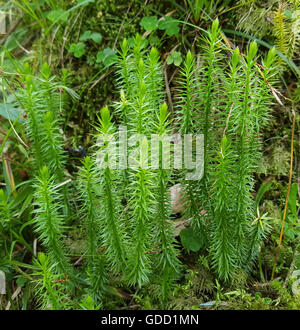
[(286, 297), (115, 20), (276, 163)]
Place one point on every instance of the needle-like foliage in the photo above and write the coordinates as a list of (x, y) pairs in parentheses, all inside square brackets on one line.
[(141, 203), (43, 100), (97, 272), (168, 264), (113, 232), (124, 200), (234, 102), (49, 221), (222, 246), (50, 288)]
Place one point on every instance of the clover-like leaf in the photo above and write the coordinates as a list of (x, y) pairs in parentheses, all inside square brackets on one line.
[(149, 23), (95, 36), (85, 36), (170, 25), (106, 56), (77, 49), (174, 58)]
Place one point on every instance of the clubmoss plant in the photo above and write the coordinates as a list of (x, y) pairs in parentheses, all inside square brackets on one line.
[(168, 264), (50, 288), (49, 221), (44, 103), (126, 212), (97, 272), (222, 247), (113, 231), (141, 243)]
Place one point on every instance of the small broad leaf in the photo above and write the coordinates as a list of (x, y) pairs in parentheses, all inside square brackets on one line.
[(149, 23), (77, 49), (97, 37), (107, 56), (169, 60), (58, 15), (191, 240), (85, 36), (100, 56), (288, 14), (268, 301), (174, 58), (170, 25), (21, 281)]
